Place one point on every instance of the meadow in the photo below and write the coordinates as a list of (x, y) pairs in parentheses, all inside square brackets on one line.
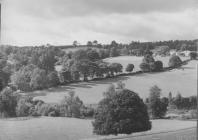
[(181, 80), (50, 128)]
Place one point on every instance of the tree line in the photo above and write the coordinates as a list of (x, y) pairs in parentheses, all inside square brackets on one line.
[(29, 69)]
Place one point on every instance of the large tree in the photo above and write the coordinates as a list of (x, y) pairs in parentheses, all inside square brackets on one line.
[(174, 61), (121, 111)]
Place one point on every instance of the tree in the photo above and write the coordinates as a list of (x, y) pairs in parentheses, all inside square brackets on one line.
[(24, 106), (8, 102), (53, 79), (21, 79), (129, 67), (157, 107), (75, 43), (39, 79), (158, 65), (89, 44), (178, 101), (71, 105), (115, 68), (148, 59), (170, 98), (103, 53), (114, 52), (92, 55), (145, 67), (174, 61), (193, 55), (162, 50), (121, 113), (83, 67)]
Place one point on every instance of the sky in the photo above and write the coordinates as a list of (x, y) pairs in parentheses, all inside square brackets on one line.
[(59, 22)]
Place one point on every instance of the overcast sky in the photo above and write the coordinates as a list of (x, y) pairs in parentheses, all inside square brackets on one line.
[(37, 22)]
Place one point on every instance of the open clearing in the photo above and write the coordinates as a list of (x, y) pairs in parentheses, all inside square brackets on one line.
[(181, 80), (49, 128)]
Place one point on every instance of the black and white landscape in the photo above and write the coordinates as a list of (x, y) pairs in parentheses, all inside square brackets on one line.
[(98, 69)]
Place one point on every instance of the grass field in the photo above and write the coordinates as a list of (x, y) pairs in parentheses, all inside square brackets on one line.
[(49, 128), (181, 80)]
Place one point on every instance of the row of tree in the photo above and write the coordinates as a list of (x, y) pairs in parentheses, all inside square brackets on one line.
[(13, 104)]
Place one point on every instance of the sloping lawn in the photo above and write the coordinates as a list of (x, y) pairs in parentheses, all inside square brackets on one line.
[(181, 80), (49, 128)]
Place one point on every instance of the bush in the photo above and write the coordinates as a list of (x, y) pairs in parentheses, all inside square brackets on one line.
[(122, 112), (129, 67), (174, 61), (24, 107), (48, 110), (145, 67), (87, 112)]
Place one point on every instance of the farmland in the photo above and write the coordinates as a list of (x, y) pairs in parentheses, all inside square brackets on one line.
[(47, 128), (181, 80)]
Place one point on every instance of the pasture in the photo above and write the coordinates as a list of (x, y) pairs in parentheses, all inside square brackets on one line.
[(50, 128), (181, 80)]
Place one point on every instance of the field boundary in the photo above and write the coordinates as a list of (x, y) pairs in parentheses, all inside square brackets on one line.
[(138, 135)]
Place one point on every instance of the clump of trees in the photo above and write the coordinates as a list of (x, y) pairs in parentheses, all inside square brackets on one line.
[(13, 104), (87, 65), (149, 64), (157, 105), (8, 102), (184, 102), (174, 61), (121, 111)]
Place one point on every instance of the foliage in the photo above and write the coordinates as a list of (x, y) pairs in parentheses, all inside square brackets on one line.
[(145, 67), (22, 78), (114, 52), (24, 107), (158, 65), (157, 106), (174, 61), (8, 102), (38, 79), (53, 79), (121, 112), (71, 106), (193, 55), (129, 67)]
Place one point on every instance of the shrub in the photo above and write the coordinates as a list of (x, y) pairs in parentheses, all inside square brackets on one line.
[(48, 110), (174, 61), (87, 112), (129, 67), (145, 67), (24, 107), (123, 112)]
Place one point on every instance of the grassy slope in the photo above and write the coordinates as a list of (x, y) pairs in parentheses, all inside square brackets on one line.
[(182, 80), (49, 128)]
